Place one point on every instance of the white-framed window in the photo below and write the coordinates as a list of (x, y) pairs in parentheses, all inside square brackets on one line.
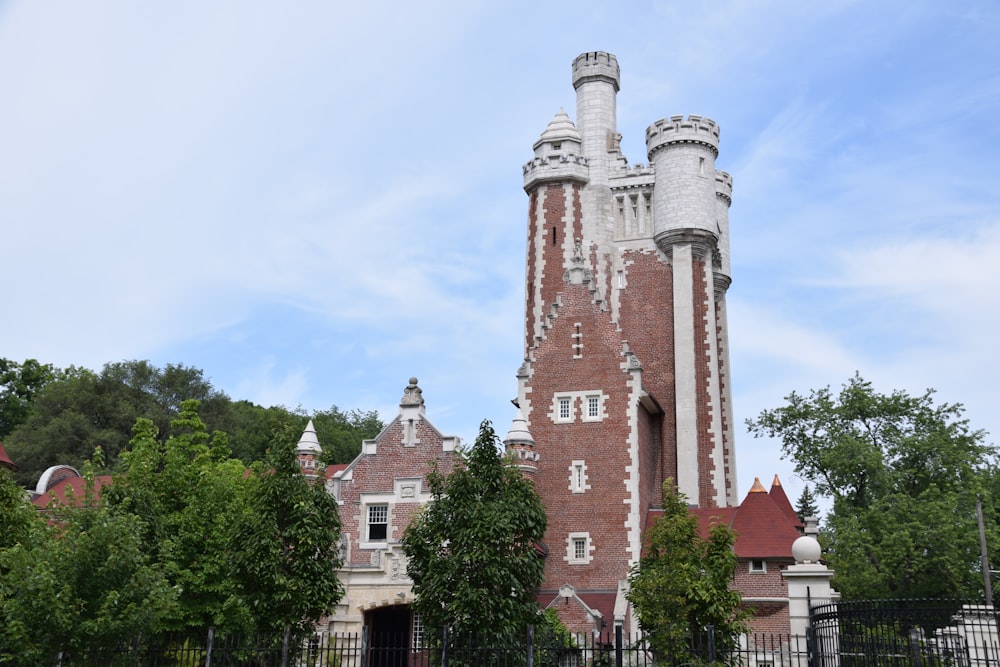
[(578, 549), (565, 408), (578, 477), (593, 407), (418, 633), (378, 522), (758, 566)]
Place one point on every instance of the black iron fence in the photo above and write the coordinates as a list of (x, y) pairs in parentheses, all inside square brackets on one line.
[(609, 649), (924, 633)]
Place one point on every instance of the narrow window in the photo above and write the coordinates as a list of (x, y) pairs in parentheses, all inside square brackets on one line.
[(378, 523), (553, 236), (418, 633), (621, 280), (593, 407), (579, 548), (701, 166)]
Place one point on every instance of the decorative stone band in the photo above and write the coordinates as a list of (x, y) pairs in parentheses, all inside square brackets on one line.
[(702, 241), (679, 130), (565, 168)]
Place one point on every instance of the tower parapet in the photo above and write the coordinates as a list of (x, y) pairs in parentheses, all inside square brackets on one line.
[(680, 130), (596, 66)]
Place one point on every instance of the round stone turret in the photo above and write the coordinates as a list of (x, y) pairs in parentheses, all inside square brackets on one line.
[(596, 66), (682, 151)]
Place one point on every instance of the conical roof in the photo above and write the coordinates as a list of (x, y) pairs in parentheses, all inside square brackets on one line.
[(560, 129), (518, 433), (5, 460), (309, 443)]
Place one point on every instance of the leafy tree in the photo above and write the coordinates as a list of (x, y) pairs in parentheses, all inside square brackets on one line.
[(286, 544), (342, 432), (471, 550), (681, 583), (806, 505), (83, 586), (79, 410), (18, 385), (188, 494), (903, 474)]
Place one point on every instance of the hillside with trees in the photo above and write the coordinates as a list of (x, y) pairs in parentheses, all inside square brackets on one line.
[(51, 416)]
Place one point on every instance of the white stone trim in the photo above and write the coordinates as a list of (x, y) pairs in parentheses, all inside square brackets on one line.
[(578, 478), (588, 547), (578, 403)]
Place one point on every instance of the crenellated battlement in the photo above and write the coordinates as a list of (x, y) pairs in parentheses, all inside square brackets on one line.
[(596, 66), (680, 130), (556, 168), (724, 185)]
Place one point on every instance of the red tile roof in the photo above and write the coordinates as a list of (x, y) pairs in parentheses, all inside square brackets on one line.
[(762, 526), (70, 491), (777, 492), (5, 460)]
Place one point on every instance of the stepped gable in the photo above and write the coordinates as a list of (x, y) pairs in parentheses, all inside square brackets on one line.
[(5, 460), (777, 494)]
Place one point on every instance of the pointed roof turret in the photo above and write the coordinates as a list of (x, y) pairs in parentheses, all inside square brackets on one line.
[(519, 433), (521, 445), (309, 442), (780, 498), (561, 128), (757, 486), (5, 460)]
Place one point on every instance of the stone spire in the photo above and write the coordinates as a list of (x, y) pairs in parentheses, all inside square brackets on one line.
[(520, 445), (308, 451)]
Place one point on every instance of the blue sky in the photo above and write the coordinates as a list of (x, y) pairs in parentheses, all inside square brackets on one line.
[(313, 201)]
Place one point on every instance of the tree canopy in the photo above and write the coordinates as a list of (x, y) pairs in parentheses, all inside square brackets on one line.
[(472, 549), (53, 417), (903, 473), (681, 583)]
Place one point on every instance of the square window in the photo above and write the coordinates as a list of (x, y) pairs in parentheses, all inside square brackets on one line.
[(578, 549), (758, 566), (378, 523)]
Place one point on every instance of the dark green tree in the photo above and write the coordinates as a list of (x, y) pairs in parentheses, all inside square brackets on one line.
[(472, 549), (806, 506), (903, 474), (79, 410), (18, 385), (343, 432), (681, 584), (285, 548)]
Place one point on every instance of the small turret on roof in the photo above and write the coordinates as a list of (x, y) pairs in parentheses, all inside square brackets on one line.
[(521, 445), (308, 451), (777, 494), (5, 461), (763, 529)]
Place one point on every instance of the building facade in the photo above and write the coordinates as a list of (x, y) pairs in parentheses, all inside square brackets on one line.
[(625, 381)]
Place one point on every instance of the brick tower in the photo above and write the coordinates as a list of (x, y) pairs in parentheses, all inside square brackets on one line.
[(626, 375)]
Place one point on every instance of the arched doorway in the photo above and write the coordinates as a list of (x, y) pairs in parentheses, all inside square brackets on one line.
[(389, 636)]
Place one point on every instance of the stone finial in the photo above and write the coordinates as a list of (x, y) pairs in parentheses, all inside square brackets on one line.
[(806, 550), (412, 395)]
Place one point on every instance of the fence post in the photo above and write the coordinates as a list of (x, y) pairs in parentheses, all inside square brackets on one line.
[(531, 646), (208, 646), (444, 647), (711, 643), (364, 644), (618, 645), (284, 646)]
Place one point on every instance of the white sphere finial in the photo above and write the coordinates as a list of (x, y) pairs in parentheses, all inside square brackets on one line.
[(806, 550)]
